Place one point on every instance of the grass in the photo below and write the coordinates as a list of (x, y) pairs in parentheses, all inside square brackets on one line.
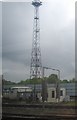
[(70, 103)]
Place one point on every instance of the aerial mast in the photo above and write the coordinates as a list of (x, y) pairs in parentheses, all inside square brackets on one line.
[(36, 66)]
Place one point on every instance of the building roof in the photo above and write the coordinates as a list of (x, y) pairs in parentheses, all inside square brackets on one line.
[(20, 87), (71, 88)]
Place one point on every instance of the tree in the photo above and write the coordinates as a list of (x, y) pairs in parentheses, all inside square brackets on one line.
[(53, 78), (64, 81), (73, 80)]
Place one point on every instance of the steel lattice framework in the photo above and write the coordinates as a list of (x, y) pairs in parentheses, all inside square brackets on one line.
[(36, 66)]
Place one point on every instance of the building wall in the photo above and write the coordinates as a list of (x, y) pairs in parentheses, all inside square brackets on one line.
[(71, 88), (20, 93), (52, 94), (50, 97), (63, 95)]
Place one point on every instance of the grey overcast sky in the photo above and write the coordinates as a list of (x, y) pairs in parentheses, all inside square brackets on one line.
[(57, 37)]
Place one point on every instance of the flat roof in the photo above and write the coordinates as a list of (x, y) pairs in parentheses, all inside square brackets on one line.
[(25, 87)]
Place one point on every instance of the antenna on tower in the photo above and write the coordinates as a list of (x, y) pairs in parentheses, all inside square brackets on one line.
[(36, 66)]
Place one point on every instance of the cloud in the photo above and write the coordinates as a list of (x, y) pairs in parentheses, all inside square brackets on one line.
[(0, 38), (15, 71), (57, 38)]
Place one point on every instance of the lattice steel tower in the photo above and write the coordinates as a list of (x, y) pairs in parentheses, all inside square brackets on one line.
[(36, 66)]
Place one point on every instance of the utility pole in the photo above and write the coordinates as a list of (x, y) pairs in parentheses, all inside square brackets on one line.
[(44, 86), (57, 83), (58, 86)]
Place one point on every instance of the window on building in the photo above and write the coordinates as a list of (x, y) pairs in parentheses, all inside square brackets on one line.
[(61, 92), (53, 94), (11, 91)]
